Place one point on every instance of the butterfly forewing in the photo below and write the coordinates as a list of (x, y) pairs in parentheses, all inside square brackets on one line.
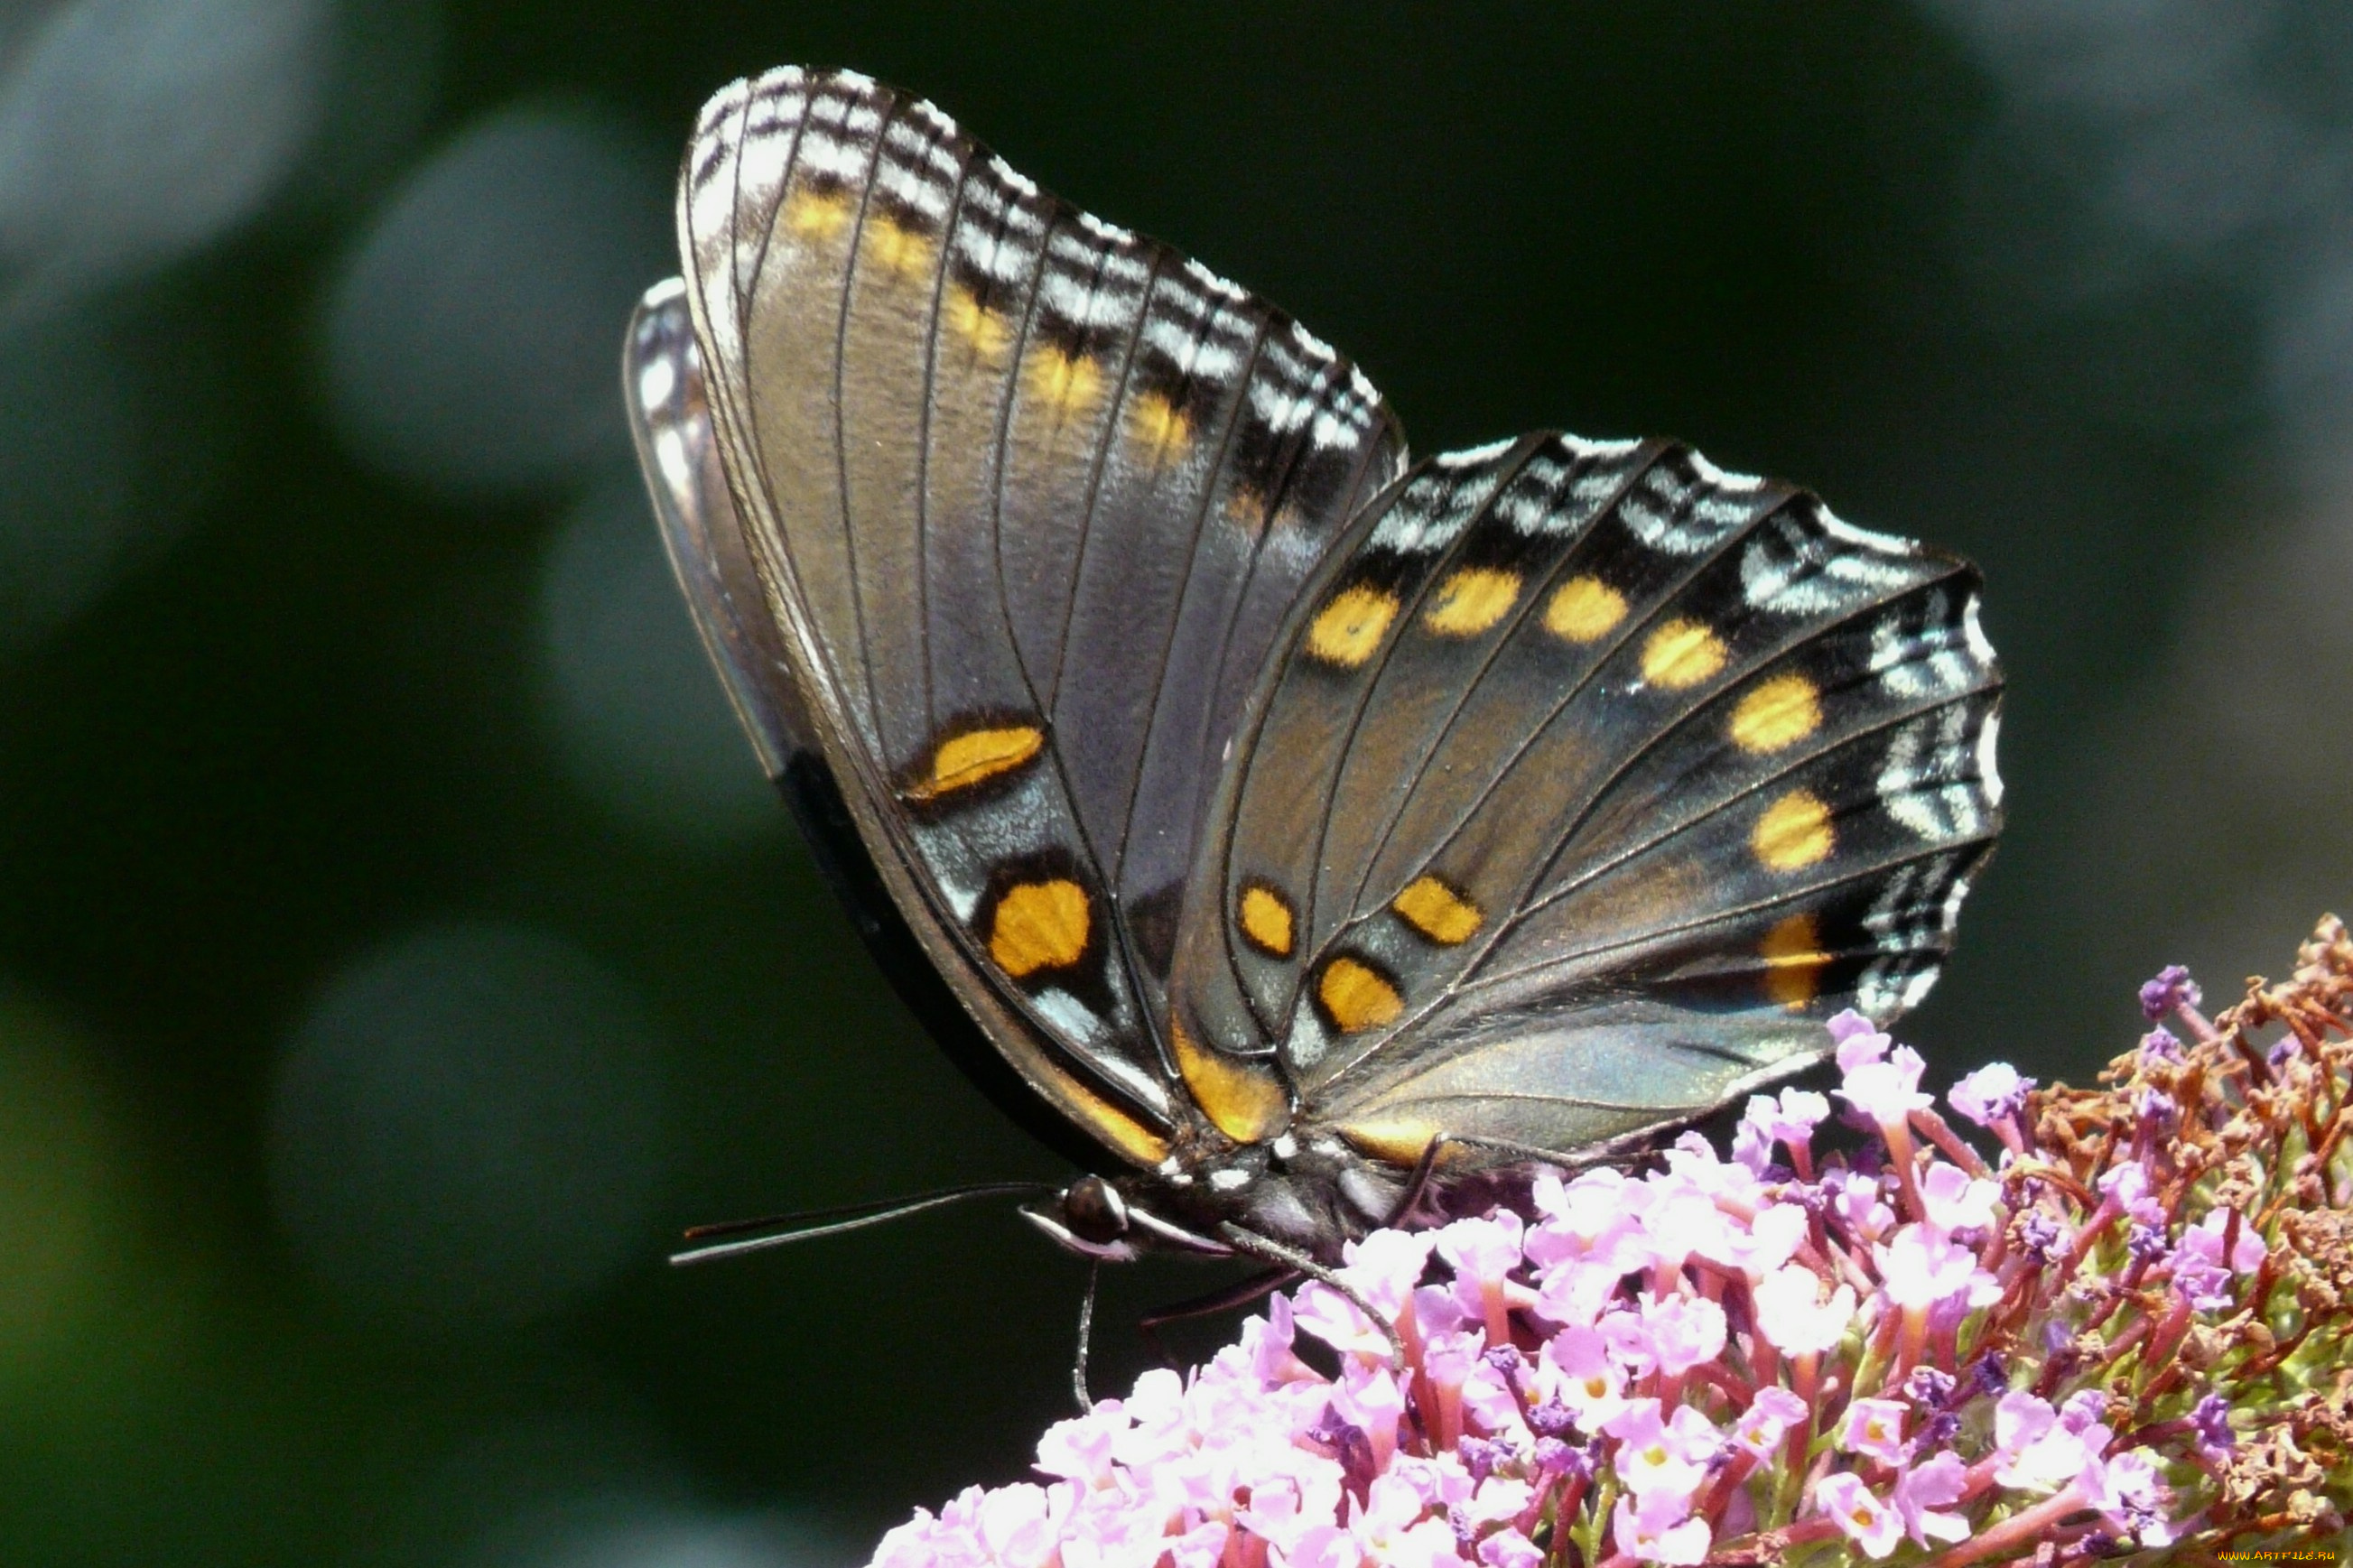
[(1030, 497), (1592, 779)]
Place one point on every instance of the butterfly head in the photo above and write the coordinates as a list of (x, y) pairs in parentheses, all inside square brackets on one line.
[(1090, 1218), (1117, 1221)]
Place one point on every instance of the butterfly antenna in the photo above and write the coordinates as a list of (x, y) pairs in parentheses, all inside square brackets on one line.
[(813, 1224)]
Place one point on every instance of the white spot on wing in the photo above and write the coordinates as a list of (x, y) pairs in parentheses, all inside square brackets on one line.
[(1863, 538), (1709, 473), (656, 382), (1925, 782), (1471, 457), (1021, 184)]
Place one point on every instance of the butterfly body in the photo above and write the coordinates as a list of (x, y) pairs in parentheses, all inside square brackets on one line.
[(1253, 811)]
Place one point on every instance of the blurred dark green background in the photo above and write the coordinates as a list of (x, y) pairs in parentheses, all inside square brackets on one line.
[(397, 945)]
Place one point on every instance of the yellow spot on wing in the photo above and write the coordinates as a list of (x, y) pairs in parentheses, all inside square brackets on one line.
[(982, 329), (1471, 601), (1794, 832), (1039, 925), (1245, 1099), (976, 756), (1437, 911), (1399, 1140), (1777, 713), (903, 252), (1681, 653), (1069, 382), (1358, 995), (1265, 918), (1584, 609), (817, 215), (1346, 631), (1159, 424), (1112, 1124), (1793, 956)]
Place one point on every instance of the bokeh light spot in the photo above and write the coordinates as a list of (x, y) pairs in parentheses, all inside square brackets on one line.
[(473, 338), (639, 716), (61, 1190), (468, 1127), (69, 448), (132, 130)]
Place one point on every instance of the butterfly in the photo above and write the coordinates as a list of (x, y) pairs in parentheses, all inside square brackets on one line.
[(1299, 836)]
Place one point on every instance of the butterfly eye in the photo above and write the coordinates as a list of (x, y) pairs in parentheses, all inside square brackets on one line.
[(1094, 1211)]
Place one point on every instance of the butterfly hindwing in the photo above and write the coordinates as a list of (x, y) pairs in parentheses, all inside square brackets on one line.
[(1592, 778), (1027, 498)]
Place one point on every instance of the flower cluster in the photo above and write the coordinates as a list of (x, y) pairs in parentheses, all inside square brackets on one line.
[(2123, 1334)]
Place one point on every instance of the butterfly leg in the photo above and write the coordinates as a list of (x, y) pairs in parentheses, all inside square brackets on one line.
[(1086, 1336), (1417, 1185), (1266, 1248), (1240, 1294)]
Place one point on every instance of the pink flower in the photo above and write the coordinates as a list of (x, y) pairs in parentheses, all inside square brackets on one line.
[(1586, 1379), (1856, 1203), (2198, 1269), (1670, 1336), (2204, 1241), (1383, 1268), (1876, 1427), (1638, 1362), (1682, 1220), (1924, 1490), (1956, 1200), (2039, 1452), (1919, 1267), (1798, 1315), (1886, 1091), (1200, 1547), (1266, 1346), (2128, 1490), (1292, 1498), (1858, 1038), (1771, 1239), (1482, 1252), (1662, 1456), (1324, 1546), (1767, 1420), (2172, 988), (1510, 1549), (1369, 1398), (1391, 1529), (1868, 1523), (1385, 1265), (2126, 1183), (1659, 1529), (1079, 1449), (1016, 1526), (1992, 1093), (1790, 1118)]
